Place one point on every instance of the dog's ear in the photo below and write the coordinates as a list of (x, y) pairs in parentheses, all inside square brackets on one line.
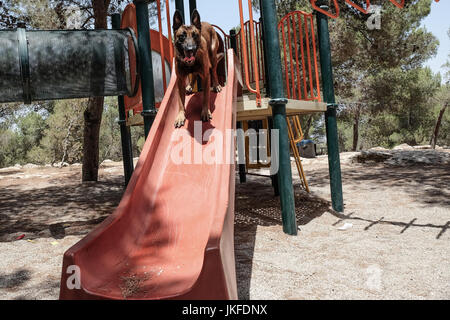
[(177, 21), (195, 20)]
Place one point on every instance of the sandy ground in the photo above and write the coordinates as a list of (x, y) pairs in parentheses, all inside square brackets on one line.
[(397, 246)]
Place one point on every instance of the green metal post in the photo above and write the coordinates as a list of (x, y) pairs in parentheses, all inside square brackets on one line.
[(266, 83), (274, 177), (242, 173), (125, 135), (330, 115), (179, 5), (233, 42), (278, 103), (192, 7), (147, 84)]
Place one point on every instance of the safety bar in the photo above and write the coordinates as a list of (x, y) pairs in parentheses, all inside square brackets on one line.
[(327, 13), (354, 5), (259, 50)]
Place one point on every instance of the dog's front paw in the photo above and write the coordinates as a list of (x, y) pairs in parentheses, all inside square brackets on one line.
[(217, 88), (206, 115), (189, 90), (180, 119)]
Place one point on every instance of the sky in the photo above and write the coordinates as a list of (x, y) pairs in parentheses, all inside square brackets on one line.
[(438, 23), (225, 14)]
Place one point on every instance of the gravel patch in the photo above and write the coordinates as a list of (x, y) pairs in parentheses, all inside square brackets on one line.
[(397, 247)]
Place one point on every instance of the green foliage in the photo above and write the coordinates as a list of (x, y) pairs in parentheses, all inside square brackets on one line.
[(18, 139), (110, 145), (345, 136), (441, 101), (110, 142), (62, 140), (380, 81), (58, 135), (9, 153), (381, 71), (31, 129)]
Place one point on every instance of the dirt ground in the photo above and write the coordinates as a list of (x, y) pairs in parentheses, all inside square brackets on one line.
[(396, 242)]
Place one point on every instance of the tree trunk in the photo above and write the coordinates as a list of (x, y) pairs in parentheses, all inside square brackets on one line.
[(92, 122), (356, 129), (307, 127), (435, 135), (93, 113)]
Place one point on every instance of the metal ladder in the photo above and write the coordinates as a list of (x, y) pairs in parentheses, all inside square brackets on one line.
[(295, 136)]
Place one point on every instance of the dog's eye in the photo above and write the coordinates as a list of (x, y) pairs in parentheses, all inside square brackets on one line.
[(182, 37), (195, 35)]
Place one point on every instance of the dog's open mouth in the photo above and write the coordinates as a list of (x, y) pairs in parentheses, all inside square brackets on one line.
[(189, 57)]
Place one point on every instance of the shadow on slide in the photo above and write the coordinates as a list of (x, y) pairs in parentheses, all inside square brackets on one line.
[(171, 237)]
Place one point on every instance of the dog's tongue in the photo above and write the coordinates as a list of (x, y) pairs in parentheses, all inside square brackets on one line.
[(189, 56)]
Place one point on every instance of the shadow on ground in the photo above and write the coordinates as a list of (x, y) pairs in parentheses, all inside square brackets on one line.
[(256, 205), (57, 211), (430, 183), (15, 279)]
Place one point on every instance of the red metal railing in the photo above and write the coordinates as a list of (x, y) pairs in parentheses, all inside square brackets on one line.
[(299, 54), (398, 3), (327, 13), (244, 50), (259, 62), (363, 10), (226, 37), (226, 43)]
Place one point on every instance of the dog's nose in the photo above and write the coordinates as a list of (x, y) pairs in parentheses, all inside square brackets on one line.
[(190, 48)]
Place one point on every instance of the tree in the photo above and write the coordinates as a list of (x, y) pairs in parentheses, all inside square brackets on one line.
[(93, 112), (62, 138), (18, 139), (110, 143), (442, 99)]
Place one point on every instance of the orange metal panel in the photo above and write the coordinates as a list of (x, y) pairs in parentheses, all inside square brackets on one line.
[(304, 26)]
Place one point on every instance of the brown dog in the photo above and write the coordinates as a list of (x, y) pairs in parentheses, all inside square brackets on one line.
[(196, 54)]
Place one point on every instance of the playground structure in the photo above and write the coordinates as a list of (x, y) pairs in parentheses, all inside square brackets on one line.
[(175, 251), (153, 227)]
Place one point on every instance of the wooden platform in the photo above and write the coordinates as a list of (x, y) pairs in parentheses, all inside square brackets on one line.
[(247, 109)]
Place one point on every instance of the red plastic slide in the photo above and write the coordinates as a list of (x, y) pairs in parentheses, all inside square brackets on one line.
[(171, 236)]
